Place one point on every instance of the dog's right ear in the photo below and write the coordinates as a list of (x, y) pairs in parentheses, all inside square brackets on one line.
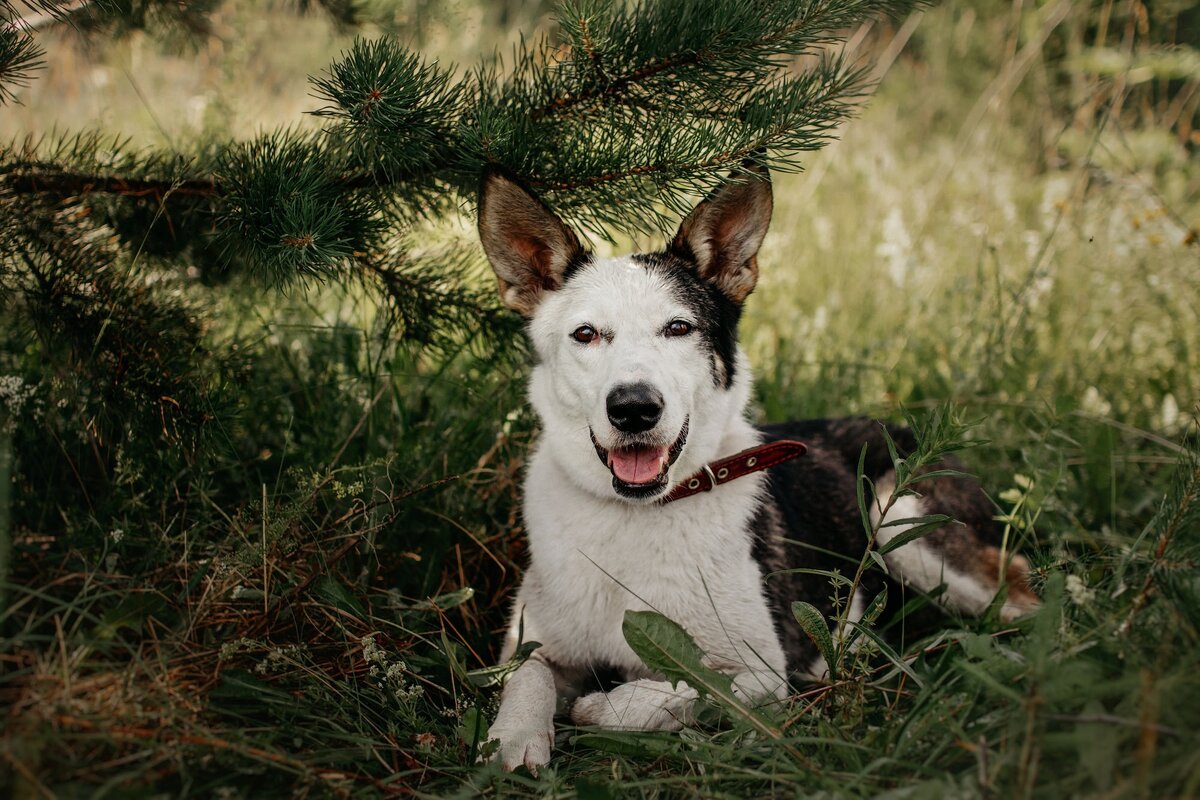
[(528, 246)]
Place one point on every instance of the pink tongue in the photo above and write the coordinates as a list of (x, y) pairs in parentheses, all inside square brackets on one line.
[(637, 464)]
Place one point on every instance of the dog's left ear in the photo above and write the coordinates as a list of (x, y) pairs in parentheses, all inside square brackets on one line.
[(723, 233), (528, 246)]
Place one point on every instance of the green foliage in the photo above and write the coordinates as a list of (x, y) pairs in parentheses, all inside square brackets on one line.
[(285, 211), (20, 57), (398, 113)]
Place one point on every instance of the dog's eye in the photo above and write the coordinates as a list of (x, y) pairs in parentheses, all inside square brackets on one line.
[(585, 334), (678, 327)]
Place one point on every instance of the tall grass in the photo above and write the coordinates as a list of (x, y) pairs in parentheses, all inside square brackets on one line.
[(309, 604)]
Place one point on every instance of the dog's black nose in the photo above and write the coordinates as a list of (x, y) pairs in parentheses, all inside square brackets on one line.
[(634, 407)]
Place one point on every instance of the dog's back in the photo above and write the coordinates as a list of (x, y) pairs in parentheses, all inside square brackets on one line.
[(812, 525)]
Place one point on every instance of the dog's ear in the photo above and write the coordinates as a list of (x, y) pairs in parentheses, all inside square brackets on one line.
[(723, 233), (528, 246)]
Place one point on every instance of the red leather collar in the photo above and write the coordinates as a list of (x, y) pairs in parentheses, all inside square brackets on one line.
[(736, 466)]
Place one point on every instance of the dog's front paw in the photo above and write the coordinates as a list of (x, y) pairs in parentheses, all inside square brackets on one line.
[(642, 705), (517, 745)]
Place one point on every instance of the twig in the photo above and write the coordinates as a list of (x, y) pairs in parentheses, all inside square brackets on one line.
[(1164, 539)]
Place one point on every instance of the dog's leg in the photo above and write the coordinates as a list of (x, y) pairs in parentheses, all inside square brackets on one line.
[(641, 705), (958, 555), (524, 726), (754, 687), (652, 705)]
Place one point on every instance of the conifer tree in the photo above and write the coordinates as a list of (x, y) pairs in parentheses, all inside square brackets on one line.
[(615, 120)]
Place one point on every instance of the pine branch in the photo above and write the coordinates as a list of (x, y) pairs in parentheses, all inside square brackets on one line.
[(20, 55), (47, 180), (672, 93), (1179, 512)]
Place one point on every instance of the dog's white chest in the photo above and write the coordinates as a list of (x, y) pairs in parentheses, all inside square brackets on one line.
[(594, 560)]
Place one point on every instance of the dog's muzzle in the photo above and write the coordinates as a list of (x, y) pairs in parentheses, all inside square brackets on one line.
[(639, 470)]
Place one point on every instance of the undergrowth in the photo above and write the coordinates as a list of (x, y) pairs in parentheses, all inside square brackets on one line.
[(306, 602)]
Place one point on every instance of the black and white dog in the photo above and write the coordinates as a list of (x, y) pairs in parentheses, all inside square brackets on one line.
[(642, 389)]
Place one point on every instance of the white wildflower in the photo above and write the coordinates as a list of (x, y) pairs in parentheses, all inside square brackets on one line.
[(1093, 403), (1168, 416), (1078, 591), (14, 394), (390, 674), (230, 649), (279, 659), (896, 247)]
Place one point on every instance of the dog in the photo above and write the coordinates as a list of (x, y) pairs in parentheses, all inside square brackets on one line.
[(643, 490)]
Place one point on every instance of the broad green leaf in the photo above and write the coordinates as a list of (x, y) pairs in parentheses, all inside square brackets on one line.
[(131, 613), (334, 592), (450, 600), (665, 647), (473, 729), (817, 629)]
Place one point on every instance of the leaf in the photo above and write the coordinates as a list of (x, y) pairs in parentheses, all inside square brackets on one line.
[(872, 612), (664, 646), (939, 473), (921, 527), (899, 466), (473, 729), (334, 592), (989, 682), (454, 659), (817, 629), (495, 674), (450, 600), (878, 559), (888, 653), (131, 613), (836, 578), (860, 477), (874, 608)]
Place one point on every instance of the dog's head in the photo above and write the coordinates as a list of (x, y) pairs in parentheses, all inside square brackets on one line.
[(638, 372)]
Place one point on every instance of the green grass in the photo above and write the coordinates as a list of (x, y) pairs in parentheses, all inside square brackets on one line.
[(983, 236)]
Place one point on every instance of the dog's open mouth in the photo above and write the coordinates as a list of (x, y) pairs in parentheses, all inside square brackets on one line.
[(639, 470)]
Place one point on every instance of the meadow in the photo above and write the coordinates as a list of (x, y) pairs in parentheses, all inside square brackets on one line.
[(1004, 239)]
